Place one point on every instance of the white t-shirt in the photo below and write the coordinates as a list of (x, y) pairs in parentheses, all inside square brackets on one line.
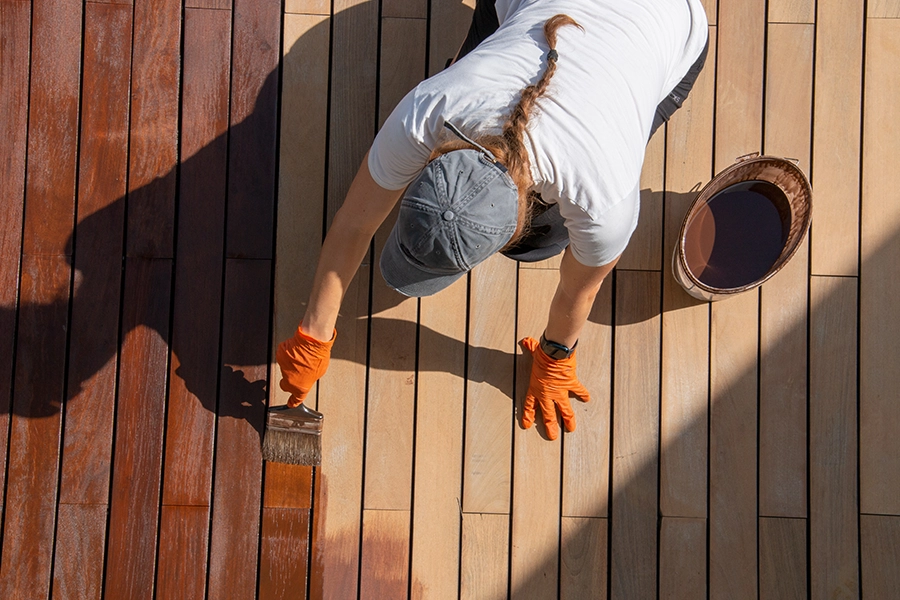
[(587, 137)]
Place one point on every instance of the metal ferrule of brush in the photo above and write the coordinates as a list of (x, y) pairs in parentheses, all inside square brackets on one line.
[(300, 419)]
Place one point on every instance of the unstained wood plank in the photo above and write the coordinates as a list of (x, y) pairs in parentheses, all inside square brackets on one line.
[(240, 421), (283, 554), (140, 423), (643, 251), (384, 571), (80, 542), (402, 64), (437, 495), (198, 267), (585, 483), (405, 9), (94, 337), (883, 9), (684, 403), (485, 556), (34, 438), (682, 558), (784, 299), (448, 27), (183, 549), (836, 137), (833, 459), (153, 148), (880, 547), (792, 11), (733, 447), (254, 129), (782, 558), (635, 447), (583, 565), (534, 560), (880, 276), (308, 7), (491, 372)]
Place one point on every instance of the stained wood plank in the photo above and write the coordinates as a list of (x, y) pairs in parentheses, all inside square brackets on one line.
[(153, 150), (198, 268), (384, 571), (437, 494), (684, 402), (240, 420), (733, 448), (308, 7), (682, 558), (14, 65), (485, 556), (783, 300), (491, 372), (254, 129), (635, 446), (80, 542), (208, 4), (534, 564), (583, 554), (52, 127), (183, 548), (792, 11), (880, 547), (879, 286), (782, 558), (140, 421), (94, 342), (283, 554), (34, 438), (643, 251), (883, 9), (585, 483), (836, 137), (448, 26), (833, 496)]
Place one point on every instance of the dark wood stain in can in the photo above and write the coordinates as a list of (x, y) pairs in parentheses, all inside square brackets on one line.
[(738, 235)]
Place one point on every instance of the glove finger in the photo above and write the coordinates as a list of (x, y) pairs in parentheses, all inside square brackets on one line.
[(530, 344), (295, 401), (580, 391), (548, 408), (528, 411), (568, 415)]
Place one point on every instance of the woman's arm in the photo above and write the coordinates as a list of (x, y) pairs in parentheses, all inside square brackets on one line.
[(367, 205), (578, 286)]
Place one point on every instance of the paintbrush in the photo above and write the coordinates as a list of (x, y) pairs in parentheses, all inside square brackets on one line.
[(293, 436)]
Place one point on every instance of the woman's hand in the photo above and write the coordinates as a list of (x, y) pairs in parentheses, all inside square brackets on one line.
[(550, 385), (303, 360)]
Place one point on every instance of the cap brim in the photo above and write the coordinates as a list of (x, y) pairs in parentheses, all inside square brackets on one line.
[(407, 278)]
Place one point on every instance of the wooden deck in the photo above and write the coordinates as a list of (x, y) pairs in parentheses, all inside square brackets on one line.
[(167, 170)]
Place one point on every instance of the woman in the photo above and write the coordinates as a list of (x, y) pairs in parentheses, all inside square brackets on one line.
[(531, 143)]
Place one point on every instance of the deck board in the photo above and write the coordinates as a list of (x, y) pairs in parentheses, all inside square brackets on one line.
[(158, 157)]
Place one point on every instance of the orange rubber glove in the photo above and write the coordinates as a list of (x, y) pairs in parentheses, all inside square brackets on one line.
[(550, 384), (303, 360)]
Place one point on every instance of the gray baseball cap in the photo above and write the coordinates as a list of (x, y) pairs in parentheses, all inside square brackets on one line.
[(459, 211)]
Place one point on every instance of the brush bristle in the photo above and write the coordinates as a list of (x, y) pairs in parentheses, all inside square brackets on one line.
[(293, 448)]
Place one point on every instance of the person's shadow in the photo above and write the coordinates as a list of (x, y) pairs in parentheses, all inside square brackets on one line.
[(203, 240)]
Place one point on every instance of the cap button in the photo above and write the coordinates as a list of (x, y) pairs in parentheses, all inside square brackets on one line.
[(448, 215)]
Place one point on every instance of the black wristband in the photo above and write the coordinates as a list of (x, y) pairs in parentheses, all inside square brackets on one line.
[(555, 350)]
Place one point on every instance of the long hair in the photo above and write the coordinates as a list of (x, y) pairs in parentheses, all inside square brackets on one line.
[(509, 147)]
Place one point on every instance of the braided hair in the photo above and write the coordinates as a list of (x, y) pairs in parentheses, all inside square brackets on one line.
[(509, 147)]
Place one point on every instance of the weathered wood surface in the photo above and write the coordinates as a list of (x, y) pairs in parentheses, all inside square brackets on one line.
[(158, 157)]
